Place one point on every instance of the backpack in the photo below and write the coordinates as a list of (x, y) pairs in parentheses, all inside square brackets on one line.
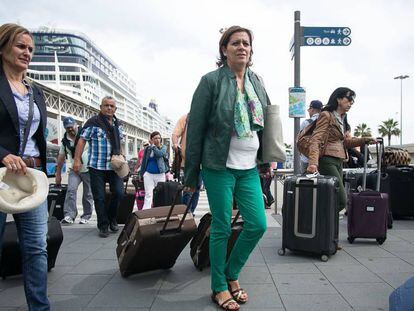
[(304, 138), (66, 143)]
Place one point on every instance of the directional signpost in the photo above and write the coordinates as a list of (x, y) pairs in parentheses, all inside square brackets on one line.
[(326, 36), (310, 36)]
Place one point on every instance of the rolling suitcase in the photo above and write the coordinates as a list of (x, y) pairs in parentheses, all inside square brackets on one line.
[(401, 191), (368, 209), (310, 217), (127, 203), (199, 246), (165, 192), (11, 259), (154, 238), (60, 190)]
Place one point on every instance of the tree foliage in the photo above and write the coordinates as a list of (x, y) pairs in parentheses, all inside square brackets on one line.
[(362, 130), (389, 128)]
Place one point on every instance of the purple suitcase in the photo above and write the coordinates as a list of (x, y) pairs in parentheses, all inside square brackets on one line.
[(368, 211)]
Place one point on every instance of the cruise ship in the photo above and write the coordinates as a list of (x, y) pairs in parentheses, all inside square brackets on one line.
[(70, 63)]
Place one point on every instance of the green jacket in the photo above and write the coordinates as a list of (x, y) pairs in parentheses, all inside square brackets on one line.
[(211, 121)]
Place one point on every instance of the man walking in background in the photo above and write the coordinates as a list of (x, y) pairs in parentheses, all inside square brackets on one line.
[(179, 143), (67, 151), (315, 108), (104, 136)]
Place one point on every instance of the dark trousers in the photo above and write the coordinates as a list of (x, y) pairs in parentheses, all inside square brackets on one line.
[(106, 214), (332, 166)]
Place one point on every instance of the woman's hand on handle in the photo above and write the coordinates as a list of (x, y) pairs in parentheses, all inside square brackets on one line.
[(312, 168)]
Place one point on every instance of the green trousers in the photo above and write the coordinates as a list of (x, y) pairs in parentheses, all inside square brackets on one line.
[(332, 166), (221, 187)]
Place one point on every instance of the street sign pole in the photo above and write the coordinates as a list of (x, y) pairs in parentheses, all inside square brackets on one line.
[(297, 44)]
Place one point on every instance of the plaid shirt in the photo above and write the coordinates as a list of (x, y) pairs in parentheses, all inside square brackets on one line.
[(99, 147)]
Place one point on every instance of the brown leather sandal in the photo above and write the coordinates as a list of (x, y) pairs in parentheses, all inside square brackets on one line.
[(237, 295), (225, 305)]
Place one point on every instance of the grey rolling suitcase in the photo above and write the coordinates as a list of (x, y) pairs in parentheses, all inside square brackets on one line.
[(310, 217)]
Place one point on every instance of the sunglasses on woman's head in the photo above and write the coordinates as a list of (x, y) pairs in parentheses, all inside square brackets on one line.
[(350, 98)]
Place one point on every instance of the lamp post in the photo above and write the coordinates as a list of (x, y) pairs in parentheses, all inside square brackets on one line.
[(401, 78)]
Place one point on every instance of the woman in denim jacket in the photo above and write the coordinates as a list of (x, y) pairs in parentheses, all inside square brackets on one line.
[(153, 166)]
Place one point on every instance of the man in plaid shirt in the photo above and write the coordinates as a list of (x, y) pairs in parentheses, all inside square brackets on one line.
[(103, 134)]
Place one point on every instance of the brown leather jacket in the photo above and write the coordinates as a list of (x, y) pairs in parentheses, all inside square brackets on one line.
[(328, 140)]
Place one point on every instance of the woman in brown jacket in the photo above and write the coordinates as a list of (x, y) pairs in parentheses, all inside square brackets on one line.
[(328, 144)]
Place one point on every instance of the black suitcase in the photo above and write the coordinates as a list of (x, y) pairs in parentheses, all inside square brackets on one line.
[(165, 192), (11, 260), (401, 190), (126, 205), (60, 190), (310, 217), (199, 246), (154, 238)]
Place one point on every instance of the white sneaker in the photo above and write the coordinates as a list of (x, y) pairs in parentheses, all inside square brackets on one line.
[(84, 221), (67, 220)]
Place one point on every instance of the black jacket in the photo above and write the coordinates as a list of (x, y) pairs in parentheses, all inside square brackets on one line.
[(9, 122)]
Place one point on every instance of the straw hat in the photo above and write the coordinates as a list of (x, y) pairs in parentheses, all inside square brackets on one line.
[(120, 165), (21, 193)]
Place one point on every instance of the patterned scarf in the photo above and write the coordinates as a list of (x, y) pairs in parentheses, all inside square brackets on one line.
[(248, 111)]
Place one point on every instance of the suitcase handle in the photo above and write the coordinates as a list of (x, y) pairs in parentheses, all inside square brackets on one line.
[(53, 197), (233, 223), (164, 228)]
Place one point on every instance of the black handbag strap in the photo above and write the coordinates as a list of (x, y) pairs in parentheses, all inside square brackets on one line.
[(26, 129)]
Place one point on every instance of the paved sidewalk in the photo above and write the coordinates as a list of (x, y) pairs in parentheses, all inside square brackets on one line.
[(360, 277)]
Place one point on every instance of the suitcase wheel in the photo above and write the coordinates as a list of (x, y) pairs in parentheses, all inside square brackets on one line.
[(381, 240), (281, 251), (351, 239), (324, 258)]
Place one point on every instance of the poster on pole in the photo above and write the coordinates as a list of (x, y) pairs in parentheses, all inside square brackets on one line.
[(297, 102)]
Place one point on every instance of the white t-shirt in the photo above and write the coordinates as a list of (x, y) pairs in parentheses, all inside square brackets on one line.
[(243, 152)]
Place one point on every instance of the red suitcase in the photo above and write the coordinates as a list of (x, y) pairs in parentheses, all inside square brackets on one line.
[(368, 209)]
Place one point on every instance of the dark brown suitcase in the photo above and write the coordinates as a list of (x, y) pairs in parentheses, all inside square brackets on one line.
[(200, 244), (154, 238)]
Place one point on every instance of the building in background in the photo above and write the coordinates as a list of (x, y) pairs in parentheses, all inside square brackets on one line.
[(70, 63)]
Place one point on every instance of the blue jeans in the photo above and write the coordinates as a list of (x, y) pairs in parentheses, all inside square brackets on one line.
[(196, 194), (32, 230), (98, 181)]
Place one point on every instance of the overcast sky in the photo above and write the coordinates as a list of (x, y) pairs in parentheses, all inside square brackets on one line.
[(166, 46)]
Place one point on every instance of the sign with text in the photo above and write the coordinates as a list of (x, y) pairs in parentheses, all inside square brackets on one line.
[(326, 36), (297, 102)]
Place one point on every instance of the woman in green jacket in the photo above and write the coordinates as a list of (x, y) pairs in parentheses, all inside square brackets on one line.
[(224, 145)]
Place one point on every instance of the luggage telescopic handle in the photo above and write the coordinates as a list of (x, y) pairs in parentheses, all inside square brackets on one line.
[(364, 175), (233, 223), (380, 151), (179, 189), (53, 197)]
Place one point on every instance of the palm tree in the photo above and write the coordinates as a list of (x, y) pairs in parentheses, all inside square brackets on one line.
[(362, 130), (389, 128)]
